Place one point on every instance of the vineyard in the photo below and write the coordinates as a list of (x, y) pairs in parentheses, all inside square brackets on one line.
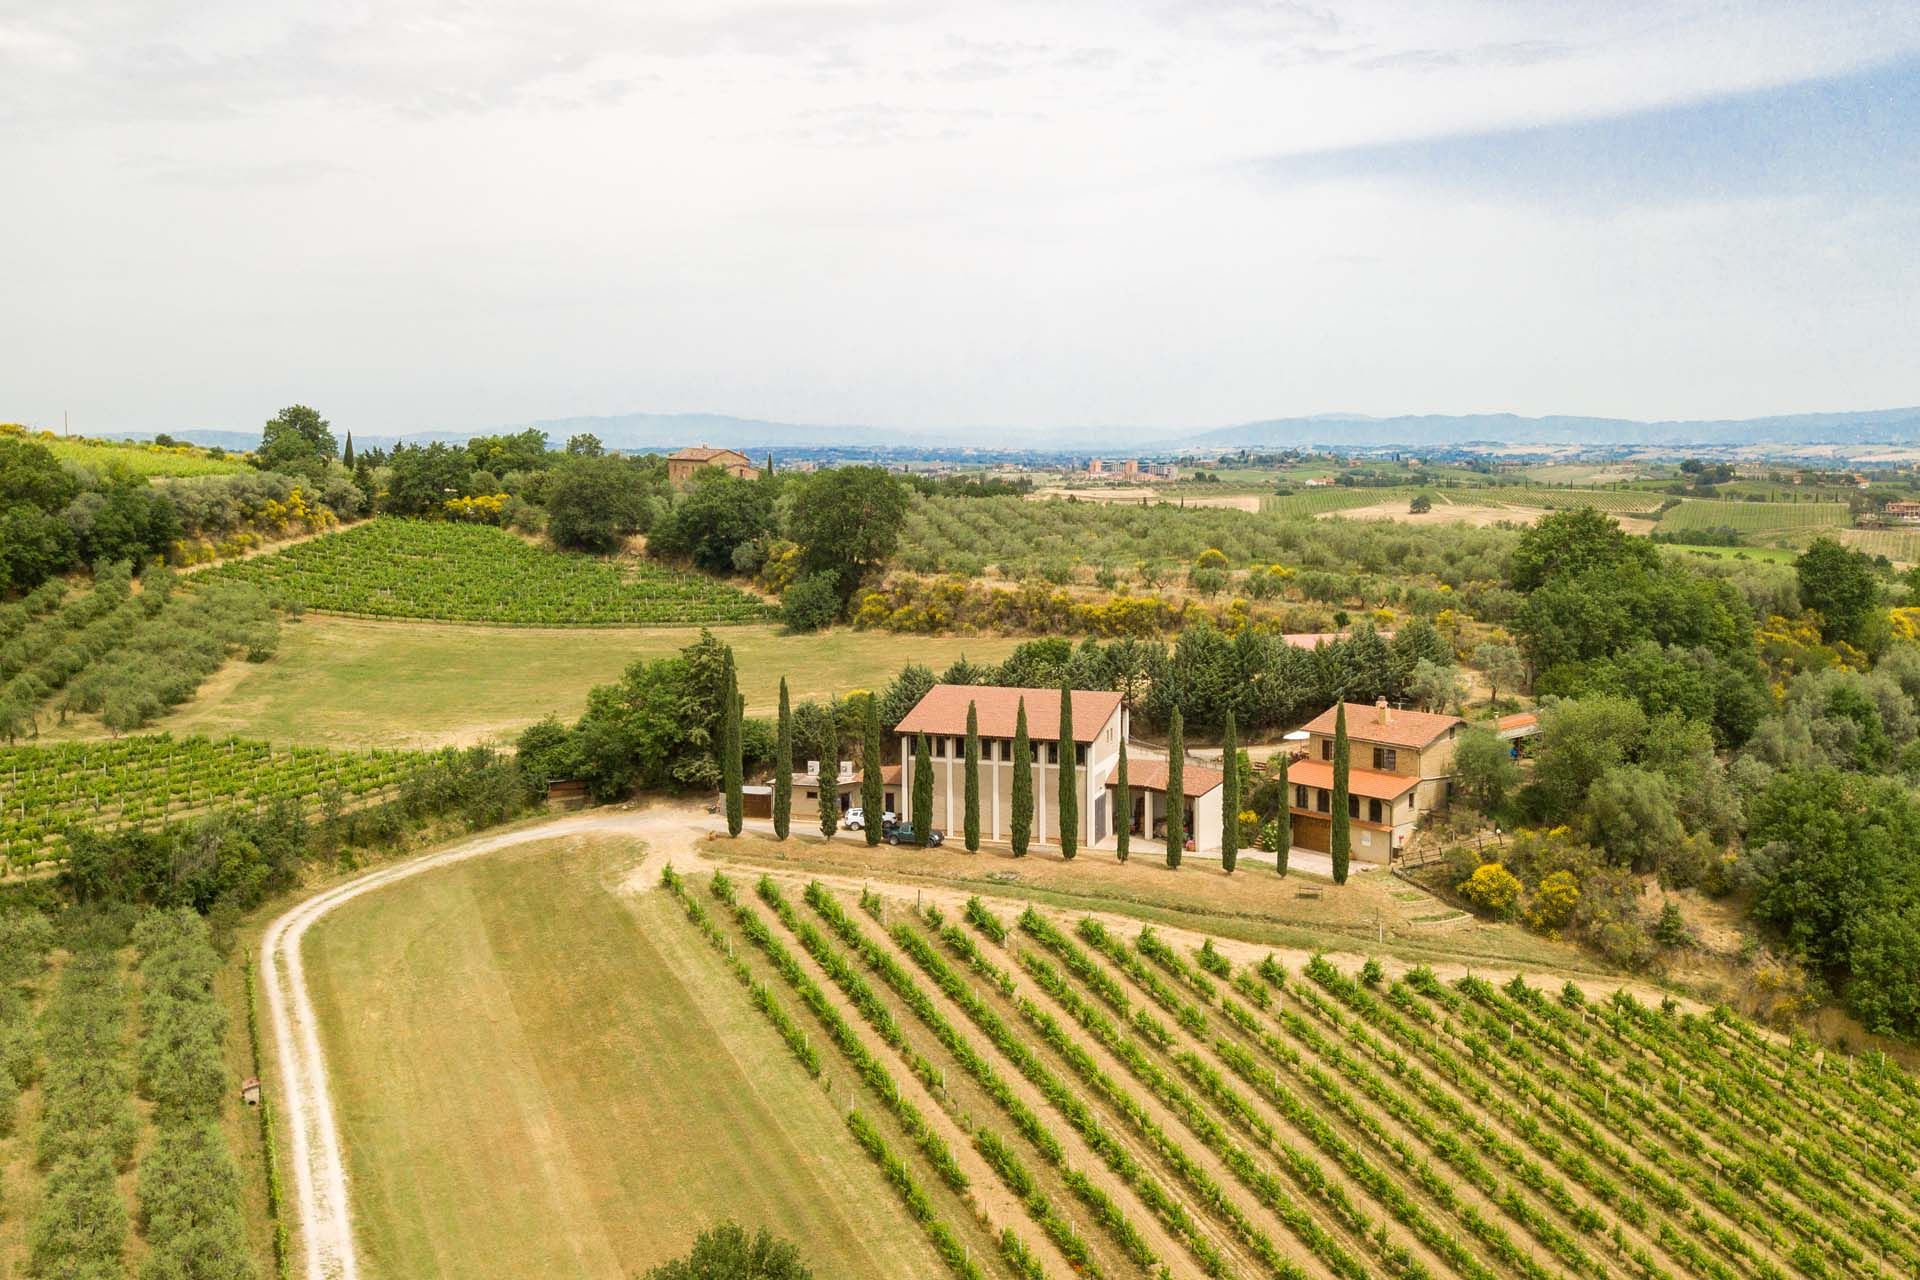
[(142, 459), (1899, 545), (1755, 517), (1615, 502), (1056, 1098), (475, 573), (144, 781), (1314, 502)]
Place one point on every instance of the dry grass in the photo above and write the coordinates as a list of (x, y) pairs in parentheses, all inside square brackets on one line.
[(512, 1048)]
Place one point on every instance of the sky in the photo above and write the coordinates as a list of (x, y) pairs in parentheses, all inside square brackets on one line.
[(986, 217)]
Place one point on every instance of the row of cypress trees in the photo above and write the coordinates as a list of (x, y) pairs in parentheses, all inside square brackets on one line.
[(872, 797)]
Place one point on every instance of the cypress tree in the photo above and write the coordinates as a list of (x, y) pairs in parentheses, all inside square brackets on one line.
[(1022, 826), (1067, 801), (783, 767), (922, 790), (972, 781), (1283, 820), (1122, 805), (730, 763), (873, 798), (1342, 843), (1230, 801), (829, 788), (346, 459), (1176, 793)]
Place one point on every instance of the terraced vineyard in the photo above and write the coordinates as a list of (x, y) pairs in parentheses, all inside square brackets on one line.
[(143, 781), (1058, 1098), (475, 573), (1755, 517)]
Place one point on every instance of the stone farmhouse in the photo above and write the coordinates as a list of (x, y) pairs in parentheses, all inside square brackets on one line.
[(1100, 721), (683, 463), (1400, 768)]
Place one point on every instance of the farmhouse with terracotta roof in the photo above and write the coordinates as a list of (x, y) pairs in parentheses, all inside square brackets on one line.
[(683, 463), (1100, 721), (1400, 768)]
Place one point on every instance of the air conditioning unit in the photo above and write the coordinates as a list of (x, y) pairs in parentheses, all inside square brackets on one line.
[(813, 768), (846, 771)]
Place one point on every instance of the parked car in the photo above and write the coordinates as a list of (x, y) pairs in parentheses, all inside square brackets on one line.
[(855, 819), (895, 833)]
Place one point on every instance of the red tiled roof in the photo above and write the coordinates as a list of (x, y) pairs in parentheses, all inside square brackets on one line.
[(1360, 782), (1400, 729), (704, 454), (1517, 725), (944, 711), (1151, 775)]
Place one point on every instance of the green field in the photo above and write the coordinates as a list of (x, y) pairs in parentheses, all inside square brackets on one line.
[(1755, 517), (350, 682), (475, 573), (1773, 555), (143, 459), (536, 1077)]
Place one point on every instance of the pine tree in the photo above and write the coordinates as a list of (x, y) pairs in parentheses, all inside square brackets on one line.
[(1067, 801), (829, 788), (873, 799), (1022, 827), (1122, 805), (1283, 819), (1176, 792), (1342, 843), (730, 746), (972, 781), (783, 767), (1230, 800), (346, 458), (922, 789)]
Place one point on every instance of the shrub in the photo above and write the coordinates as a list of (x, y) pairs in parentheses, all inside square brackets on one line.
[(811, 602), (1493, 889)]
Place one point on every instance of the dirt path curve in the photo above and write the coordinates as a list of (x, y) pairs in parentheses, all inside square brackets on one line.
[(319, 1179)]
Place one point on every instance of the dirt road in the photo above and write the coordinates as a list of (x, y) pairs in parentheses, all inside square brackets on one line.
[(319, 1178)]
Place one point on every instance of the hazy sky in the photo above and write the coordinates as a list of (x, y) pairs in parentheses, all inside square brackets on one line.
[(420, 214)]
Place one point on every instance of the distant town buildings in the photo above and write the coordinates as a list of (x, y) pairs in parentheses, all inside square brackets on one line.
[(1908, 512), (683, 463)]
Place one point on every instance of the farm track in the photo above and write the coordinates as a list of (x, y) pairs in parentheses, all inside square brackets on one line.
[(320, 1191)]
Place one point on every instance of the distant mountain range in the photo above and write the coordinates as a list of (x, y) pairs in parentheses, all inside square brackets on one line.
[(643, 431)]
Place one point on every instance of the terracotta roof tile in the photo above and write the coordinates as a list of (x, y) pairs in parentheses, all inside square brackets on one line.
[(1401, 728), (944, 711), (1151, 775), (1360, 782)]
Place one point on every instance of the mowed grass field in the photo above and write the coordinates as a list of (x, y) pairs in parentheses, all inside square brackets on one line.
[(537, 1076), (361, 682)]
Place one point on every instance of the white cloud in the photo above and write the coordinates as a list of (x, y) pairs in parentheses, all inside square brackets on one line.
[(426, 213)]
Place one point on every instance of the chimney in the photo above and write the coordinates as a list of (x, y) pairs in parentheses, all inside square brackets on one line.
[(1383, 711)]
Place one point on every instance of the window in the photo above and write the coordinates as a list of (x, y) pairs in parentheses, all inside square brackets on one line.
[(1386, 758), (940, 748), (1373, 811), (1326, 748), (1079, 753), (1299, 796), (1353, 806), (1003, 750), (1322, 800)]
